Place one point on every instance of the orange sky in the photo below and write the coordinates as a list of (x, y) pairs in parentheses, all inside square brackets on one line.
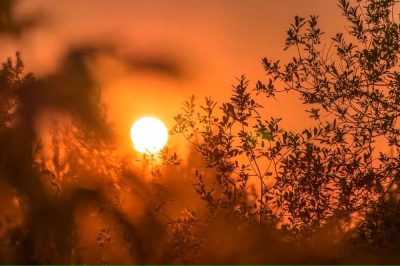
[(213, 41)]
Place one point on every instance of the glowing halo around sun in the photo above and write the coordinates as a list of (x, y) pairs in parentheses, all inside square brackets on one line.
[(149, 135)]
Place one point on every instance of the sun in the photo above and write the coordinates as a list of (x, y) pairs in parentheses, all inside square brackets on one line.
[(149, 135)]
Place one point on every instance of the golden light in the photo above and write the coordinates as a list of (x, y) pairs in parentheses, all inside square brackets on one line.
[(149, 135)]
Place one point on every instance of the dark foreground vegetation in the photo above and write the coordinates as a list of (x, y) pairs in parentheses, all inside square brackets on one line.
[(251, 191)]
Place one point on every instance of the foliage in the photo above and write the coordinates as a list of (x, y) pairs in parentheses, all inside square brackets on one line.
[(379, 231), (11, 82), (183, 241), (336, 168), (331, 187), (222, 141)]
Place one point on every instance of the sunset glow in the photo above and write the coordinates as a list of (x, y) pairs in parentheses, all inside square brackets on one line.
[(199, 132), (149, 135)]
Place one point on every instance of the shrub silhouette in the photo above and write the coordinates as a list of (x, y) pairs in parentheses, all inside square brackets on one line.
[(334, 170), (262, 193)]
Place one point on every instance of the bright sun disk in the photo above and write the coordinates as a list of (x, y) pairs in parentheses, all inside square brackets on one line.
[(149, 135)]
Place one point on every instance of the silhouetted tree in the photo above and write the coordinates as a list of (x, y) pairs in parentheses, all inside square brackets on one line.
[(336, 168), (333, 183)]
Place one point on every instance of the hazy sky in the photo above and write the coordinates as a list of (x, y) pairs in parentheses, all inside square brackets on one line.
[(213, 41)]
